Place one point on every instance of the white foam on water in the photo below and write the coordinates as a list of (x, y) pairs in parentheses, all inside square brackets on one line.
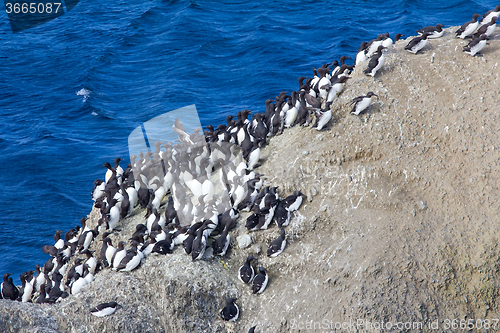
[(85, 93)]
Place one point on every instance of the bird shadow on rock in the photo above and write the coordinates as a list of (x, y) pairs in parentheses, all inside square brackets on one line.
[(373, 109)]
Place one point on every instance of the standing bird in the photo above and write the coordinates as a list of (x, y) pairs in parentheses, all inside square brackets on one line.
[(131, 260), (476, 45), (387, 41), (488, 29), (376, 62), (199, 243), (322, 118), (246, 273), (98, 190), (58, 242), (107, 252), (118, 255), (43, 296), (361, 55), (221, 244), (260, 281), (277, 246), (490, 14), (373, 45), (104, 309), (231, 311), (468, 28), (7, 289), (361, 103), (417, 43)]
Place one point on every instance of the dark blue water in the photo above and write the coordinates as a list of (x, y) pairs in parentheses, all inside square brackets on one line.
[(73, 89)]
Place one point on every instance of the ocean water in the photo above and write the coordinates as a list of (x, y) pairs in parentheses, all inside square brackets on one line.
[(73, 89)]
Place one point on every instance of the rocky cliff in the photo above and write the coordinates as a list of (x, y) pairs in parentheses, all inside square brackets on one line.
[(400, 222)]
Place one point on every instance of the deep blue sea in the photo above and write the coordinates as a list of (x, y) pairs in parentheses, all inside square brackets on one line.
[(73, 89)]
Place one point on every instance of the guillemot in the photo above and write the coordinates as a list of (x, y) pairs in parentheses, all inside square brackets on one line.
[(277, 246), (376, 62), (104, 309), (468, 28), (231, 311), (246, 272), (417, 43), (476, 45), (260, 282), (361, 103), (432, 31)]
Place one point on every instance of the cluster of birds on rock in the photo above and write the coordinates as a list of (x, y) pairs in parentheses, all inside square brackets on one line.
[(199, 213), (478, 30), (195, 212)]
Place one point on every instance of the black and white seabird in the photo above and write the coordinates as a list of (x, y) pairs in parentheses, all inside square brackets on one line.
[(376, 62), (432, 31), (335, 87), (476, 45), (164, 246), (387, 41), (187, 244), (40, 278), (57, 289), (468, 28), (104, 309), (231, 311), (131, 260), (119, 254), (260, 282), (221, 244), (322, 118), (42, 298), (91, 261), (77, 268), (293, 201), (58, 242), (281, 215), (98, 190), (490, 14), (107, 252), (488, 29), (252, 329), (252, 221), (361, 55), (277, 246), (7, 289), (199, 243), (79, 283), (246, 273), (361, 103), (417, 43), (374, 45), (27, 281)]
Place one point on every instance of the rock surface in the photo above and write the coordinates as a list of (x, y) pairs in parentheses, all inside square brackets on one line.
[(400, 224)]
